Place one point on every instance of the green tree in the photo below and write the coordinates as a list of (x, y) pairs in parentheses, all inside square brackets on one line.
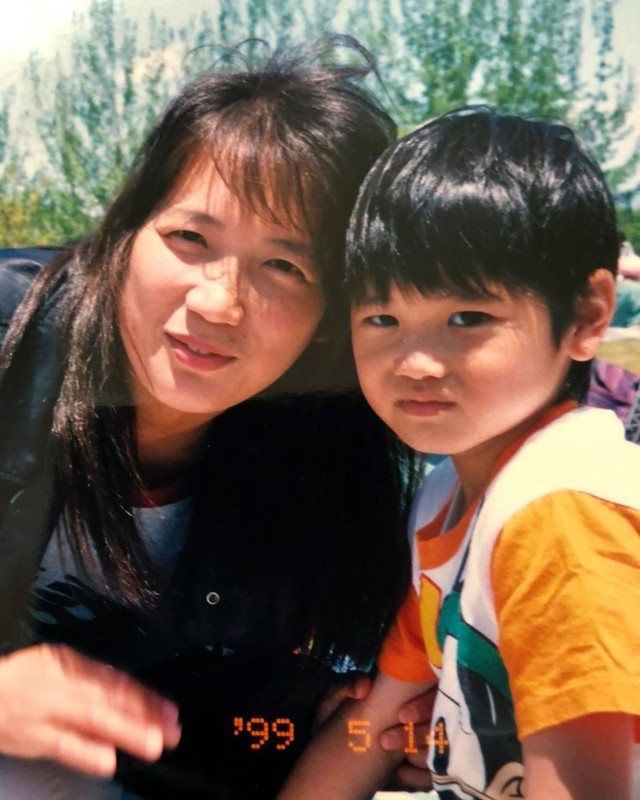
[(519, 56), (629, 221), (91, 109), (95, 104), (532, 63), (602, 119), (429, 52)]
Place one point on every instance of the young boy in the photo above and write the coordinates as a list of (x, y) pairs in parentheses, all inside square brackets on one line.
[(482, 256)]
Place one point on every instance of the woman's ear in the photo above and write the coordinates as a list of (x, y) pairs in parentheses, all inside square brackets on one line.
[(593, 314)]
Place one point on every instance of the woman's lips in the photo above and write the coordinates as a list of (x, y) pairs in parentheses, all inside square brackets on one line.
[(424, 408), (198, 355)]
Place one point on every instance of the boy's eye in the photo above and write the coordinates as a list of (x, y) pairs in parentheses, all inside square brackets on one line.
[(469, 319), (282, 265), (381, 320)]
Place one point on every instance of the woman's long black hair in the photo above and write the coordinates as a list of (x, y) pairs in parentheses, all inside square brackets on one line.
[(293, 140)]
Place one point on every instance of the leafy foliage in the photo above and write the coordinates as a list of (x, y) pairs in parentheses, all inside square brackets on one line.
[(89, 110), (629, 222)]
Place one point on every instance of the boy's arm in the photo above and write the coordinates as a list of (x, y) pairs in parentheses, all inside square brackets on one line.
[(344, 761), (588, 758)]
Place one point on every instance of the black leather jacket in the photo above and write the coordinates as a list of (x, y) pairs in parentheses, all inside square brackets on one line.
[(26, 405), (212, 659)]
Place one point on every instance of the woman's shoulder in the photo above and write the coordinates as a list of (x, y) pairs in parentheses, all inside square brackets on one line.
[(18, 267), (25, 262)]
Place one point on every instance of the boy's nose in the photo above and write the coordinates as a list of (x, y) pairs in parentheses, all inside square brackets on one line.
[(217, 295), (418, 363)]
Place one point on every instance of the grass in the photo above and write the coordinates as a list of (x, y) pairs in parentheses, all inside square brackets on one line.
[(625, 353)]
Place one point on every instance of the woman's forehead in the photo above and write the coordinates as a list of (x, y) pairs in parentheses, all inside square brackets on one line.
[(201, 189), (206, 182)]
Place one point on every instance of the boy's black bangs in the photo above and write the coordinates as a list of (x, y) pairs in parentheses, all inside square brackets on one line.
[(471, 201), (442, 244)]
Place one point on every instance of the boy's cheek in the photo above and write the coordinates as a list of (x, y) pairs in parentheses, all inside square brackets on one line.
[(375, 388)]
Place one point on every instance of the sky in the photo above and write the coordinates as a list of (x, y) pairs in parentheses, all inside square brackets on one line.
[(44, 25)]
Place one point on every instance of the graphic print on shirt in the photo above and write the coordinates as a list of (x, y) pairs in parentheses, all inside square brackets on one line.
[(574, 464), (73, 606), (473, 715), (430, 597), (70, 611), (66, 610)]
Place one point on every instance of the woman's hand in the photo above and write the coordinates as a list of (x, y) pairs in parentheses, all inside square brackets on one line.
[(57, 704), (411, 737)]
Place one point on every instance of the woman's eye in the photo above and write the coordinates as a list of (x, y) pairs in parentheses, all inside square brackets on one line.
[(282, 265), (189, 236), (469, 319), (381, 321)]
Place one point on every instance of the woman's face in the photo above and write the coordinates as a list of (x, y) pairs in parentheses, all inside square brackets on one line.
[(218, 303)]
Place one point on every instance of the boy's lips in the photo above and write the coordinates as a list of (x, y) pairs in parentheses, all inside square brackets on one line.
[(198, 354), (424, 407)]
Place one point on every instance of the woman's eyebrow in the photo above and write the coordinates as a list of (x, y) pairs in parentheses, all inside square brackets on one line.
[(199, 217), (298, 247)]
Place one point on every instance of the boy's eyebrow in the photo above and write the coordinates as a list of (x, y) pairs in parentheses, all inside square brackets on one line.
[(371, 299), (471, 295)]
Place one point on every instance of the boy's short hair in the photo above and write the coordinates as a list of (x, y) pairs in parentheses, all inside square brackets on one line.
[(475, 199)]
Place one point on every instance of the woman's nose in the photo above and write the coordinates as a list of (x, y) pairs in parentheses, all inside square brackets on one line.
[(217, 294)]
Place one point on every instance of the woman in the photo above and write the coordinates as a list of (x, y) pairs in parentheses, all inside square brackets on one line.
[(178, 498)]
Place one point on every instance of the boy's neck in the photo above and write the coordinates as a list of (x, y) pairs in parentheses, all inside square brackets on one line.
[(475, 466)]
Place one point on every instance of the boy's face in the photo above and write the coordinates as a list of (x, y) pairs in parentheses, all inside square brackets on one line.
[(458, 376)]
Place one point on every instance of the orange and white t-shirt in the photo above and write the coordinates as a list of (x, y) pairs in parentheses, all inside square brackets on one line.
[(525, 608)]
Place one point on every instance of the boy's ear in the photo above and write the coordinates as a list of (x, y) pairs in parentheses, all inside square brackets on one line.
[(592, 315)]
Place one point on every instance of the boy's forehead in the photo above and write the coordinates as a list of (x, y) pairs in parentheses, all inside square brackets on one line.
[(369, 296), (374, 295)]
